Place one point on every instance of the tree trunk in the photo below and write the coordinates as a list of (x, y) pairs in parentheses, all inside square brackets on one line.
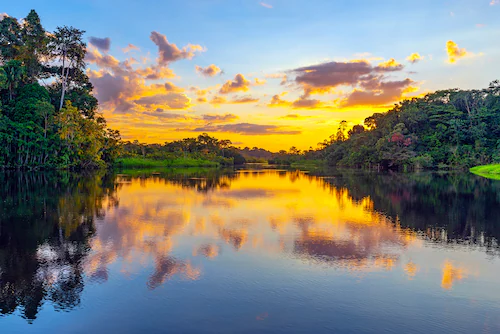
[(63, 88)]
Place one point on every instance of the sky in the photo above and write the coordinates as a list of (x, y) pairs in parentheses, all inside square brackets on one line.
[(273, 73)]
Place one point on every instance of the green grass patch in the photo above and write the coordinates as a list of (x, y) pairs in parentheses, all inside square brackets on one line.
[(489, 171), (307, 163), (152, 163)]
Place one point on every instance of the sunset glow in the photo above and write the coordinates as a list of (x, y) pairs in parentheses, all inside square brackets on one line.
[(286, 81)]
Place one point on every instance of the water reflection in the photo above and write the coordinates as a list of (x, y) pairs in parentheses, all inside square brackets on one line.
[(46, 222), (452, 274), (60, 232)]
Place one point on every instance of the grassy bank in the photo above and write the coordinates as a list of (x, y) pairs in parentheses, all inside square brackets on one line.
[(177, 162), (489, 171), (307, 164)]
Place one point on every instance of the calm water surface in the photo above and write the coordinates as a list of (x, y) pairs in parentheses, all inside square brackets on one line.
[(249, 251)]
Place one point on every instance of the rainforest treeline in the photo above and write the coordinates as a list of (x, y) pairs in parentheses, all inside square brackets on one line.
[(48, 116), (49, 119), (446, 129)]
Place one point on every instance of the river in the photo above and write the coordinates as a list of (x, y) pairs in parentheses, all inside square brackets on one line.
[(249, 251)]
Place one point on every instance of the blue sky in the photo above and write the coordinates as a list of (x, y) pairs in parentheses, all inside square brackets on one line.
[(273, 38)]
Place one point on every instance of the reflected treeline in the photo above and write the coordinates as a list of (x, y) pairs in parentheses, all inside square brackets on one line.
[(201, 179), (46, 221), (49, 241), (445, 207)]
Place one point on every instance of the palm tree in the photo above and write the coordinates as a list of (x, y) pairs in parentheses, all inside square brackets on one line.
[(13, 72)]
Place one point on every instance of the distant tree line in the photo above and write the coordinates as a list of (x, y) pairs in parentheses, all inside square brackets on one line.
[(202, 147), (48, 116)]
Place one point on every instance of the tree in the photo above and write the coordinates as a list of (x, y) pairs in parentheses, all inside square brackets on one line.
[(341, 131), (224, 144), (454, 127), (3, 79), (32, 134), (34, 46), (13, 72), (68, 47), (357, 129), (294, 150), (10, 38)]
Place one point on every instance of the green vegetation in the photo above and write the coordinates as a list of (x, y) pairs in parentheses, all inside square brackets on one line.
[(55, 125), (308, 163), (189, 152), (177, 162), (446, 129), (298, 158), (49, 119), (489, 171)]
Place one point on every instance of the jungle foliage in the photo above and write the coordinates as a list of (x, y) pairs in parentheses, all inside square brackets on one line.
[(446, 129), (48, 116), (194, 151)]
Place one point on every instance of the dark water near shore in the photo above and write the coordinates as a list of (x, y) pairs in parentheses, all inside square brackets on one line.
[(249, 251)]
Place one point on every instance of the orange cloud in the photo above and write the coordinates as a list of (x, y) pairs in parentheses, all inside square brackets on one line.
[(167, 101), (199, 92), (209, 71), (169, 52), (276, 101), (275, 75), (414, 58), (239, 84), (306, 103), (259, 82), (170, 87), (93, 56), (130, 47), (333, 74), (369, 83), (390, 65), (249, 129), (454, 52), (281, 76), (219, 118), (244, 99), (218, 100), (303, 102), (378, 93), (294, 117), (155, 73)]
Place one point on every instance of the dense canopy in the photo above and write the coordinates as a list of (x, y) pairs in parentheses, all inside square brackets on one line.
[(451, 128), (48, 116)]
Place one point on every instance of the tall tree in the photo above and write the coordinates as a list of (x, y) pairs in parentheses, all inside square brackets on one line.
[(68, 47), (10, 38), (34, 47), (13, 71)]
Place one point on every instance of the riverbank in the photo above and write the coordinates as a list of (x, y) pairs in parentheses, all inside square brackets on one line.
[(488, 171), (308, 164), (177, 162)]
